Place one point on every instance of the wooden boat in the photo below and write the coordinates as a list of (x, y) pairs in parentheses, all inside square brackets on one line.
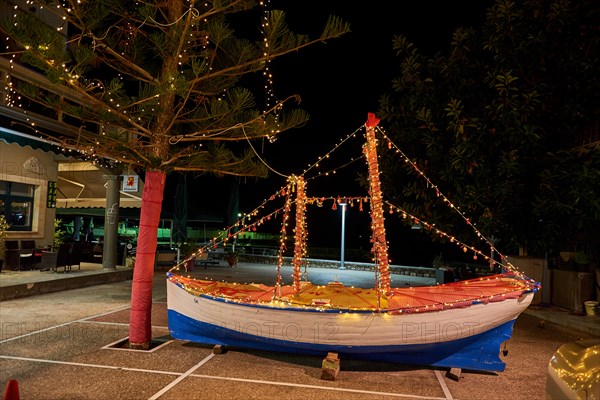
[(460, 324)]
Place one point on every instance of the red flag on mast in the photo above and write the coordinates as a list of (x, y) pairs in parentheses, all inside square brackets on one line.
[(372, 121)]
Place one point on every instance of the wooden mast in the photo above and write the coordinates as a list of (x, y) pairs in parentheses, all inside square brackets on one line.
[(300, 231), (380, 248), (287, 192)]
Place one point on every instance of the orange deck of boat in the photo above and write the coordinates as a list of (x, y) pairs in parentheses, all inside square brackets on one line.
[(336, 295)]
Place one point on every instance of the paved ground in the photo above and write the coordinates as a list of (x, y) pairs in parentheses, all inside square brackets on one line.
[(55, 346)]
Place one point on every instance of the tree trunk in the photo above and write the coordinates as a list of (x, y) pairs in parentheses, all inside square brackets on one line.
[(140, 324)]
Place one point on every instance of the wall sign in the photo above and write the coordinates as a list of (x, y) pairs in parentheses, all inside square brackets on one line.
[(130, 183), (51, 199)]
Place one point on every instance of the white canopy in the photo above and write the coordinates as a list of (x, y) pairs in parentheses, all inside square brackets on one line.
[(82, 185)]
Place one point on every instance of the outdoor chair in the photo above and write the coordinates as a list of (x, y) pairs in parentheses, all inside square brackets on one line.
[(27, 256), (165, 260), (97, 251), (206, 259), (63, 257), (12, 256), (27, 244), (76, 255)]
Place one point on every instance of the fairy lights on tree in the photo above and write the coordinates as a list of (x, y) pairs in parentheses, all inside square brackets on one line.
[(161, 89), (271, 99)]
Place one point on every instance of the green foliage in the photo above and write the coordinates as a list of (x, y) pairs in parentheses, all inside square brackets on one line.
[(231, 252), (3, 229), (497, 123), (60, 233), (188, 248), (3, 226)]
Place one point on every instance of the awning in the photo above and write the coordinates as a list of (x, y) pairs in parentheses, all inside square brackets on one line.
[(10, 136), (133, 213), (82, 185)]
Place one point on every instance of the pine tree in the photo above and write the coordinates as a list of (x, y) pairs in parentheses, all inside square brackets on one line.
[(160, 88)]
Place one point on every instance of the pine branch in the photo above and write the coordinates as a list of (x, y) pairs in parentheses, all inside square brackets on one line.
[(295, 119), (282, 42), (136, 71)]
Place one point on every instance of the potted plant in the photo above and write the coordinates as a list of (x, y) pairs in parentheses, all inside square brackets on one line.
[(59, 234), (443, 273), (50, 256), (231, 257), (3, 229), (185, 251)]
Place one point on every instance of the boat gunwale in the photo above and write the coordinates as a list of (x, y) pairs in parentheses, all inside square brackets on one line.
[(434, 307)]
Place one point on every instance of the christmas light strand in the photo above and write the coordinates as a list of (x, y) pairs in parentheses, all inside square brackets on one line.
[(238, 228), (334, 170), (379, 246), (465, 247), (378, 237), (327, 155), (284, 224), (300, 232), (449, 203), (462, 294), (271, 99)]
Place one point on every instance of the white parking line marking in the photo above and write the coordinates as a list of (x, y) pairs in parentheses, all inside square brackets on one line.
[(119, 324), (151, 371), (84, 319), (440, 379), (304, 386), (189, 373), (61, 325), (182, 377), (113, 346)]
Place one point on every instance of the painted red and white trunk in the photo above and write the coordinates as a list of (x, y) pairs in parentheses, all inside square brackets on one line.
[(140, 324)]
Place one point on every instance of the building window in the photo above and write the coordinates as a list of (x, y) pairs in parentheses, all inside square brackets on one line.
[(16, 204)]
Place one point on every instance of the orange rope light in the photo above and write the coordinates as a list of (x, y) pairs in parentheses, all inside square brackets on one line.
[(380, 250), (300, 231), (286, 214)]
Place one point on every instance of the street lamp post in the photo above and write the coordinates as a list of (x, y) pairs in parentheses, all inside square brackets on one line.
[(343, 234)]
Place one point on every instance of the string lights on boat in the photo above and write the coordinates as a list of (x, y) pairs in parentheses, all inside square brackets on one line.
[(327, 155), (452, 239), (439, 193), (300, 232), (388, 300), (346, 300), (284, 224), (378, 238)]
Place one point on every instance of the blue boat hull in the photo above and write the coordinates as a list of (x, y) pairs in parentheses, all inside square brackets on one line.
[(478, 352)]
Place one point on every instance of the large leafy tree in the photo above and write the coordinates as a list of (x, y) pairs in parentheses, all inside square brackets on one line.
[(158, 86), (503, 123)]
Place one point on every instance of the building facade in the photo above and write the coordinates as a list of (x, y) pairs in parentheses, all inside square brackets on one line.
[(28, 190)]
